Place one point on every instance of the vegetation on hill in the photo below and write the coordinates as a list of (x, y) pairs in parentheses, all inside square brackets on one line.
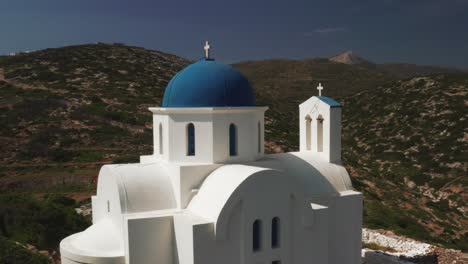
[(67, 111), (406, 148), (284, 84), (41, 222), (404, 141), (406, 70), (13, 253)]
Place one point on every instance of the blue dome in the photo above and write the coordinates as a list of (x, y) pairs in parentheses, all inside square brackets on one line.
[(208, 83)]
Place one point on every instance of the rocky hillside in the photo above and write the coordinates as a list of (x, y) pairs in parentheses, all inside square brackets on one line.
[(406, 148), (77, 107), (404, 141), (284, 84), (384, 247), (406, 70), (67, 111)]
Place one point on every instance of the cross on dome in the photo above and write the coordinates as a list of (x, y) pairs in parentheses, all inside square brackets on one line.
[(207, 49), (320, 88)]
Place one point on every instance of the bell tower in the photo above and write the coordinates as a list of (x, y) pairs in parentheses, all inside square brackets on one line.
[(320, 127)]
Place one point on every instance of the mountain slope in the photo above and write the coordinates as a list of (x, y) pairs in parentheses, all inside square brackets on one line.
[(284, 84), (406, 148), (67, 111), (79, 104)]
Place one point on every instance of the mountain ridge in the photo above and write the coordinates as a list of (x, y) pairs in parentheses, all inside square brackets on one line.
[(399, 70)]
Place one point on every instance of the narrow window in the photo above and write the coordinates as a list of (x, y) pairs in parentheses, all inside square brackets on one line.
[(232, 140), (319, 133), (275, 232), (308, 123), (160, 139), (259, 138), (257, 235), (190, 140), (108, 206)]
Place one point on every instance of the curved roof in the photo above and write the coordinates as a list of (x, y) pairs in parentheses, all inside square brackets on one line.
[(225, 187), (218, 187), (208, 83), (141, 187), (309, 169), (100, 243), (306, 173)]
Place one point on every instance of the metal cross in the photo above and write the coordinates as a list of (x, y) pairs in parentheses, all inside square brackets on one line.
[(207, 49), (320, 88)]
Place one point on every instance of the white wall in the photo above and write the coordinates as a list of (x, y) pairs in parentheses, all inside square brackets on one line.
[(331, 136), (335, 134), (150, 240), (163, 120), (311, 222), (211, 134), (303, 232), (191, 178), (346, 228), (107, 202), (178, 138), (247, 136)]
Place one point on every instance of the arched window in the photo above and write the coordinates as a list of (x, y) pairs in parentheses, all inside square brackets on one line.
[(257, 235), (232, 140), (308, 122), (319, 133), (259, 137), (161, 139), (275, 232), (190, 140)]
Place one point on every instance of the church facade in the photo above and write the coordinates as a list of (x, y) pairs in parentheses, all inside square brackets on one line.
[(209, 193)]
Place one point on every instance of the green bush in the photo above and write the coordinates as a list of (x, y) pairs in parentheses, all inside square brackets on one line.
[(12, 253), (61, 155), (421, 178), (90, 156), (42, 223)]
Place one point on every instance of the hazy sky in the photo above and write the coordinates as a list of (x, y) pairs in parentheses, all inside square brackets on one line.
[(416, 31)]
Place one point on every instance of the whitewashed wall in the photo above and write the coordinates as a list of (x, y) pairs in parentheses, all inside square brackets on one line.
[(314, 108), (211, 134)]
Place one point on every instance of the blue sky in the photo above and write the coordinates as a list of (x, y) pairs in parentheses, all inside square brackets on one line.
[(415, 31)]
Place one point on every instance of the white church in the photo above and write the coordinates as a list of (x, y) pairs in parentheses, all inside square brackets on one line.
[(209, 195)]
